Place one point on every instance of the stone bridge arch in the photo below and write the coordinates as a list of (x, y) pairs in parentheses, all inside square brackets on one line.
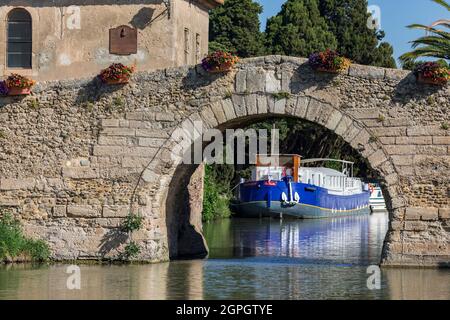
[(262, 87), (229, 113), (123, 158)]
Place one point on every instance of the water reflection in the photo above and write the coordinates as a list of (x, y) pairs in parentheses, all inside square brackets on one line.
[(352, 240), (249, 259)]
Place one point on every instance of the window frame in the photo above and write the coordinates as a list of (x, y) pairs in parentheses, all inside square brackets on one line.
[(7, 42)]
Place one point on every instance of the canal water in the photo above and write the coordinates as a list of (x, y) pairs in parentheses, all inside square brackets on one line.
[(249, 259)]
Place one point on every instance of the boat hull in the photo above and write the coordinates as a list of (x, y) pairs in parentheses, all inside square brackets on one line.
[(300, 211), (260, 199)]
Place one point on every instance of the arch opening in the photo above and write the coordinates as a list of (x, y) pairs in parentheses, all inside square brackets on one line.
[(183, 216)]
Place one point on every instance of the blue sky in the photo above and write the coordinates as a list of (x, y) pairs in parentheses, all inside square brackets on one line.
[(395, 16)]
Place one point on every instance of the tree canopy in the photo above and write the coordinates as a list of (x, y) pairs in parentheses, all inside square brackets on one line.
[(298, 30), (347, 20), (235, 26)]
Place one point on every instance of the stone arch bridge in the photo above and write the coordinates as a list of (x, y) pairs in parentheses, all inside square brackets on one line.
[(77, 156)]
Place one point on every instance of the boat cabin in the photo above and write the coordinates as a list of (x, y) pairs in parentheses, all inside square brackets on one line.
[(278, 167)]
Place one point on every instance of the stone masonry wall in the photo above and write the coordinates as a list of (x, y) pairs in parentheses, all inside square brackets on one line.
[(77, 156)]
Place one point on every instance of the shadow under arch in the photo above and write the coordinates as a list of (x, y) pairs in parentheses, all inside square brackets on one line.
[(186, 240)]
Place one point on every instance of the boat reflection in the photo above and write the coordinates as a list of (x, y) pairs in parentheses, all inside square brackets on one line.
[(350, 240)]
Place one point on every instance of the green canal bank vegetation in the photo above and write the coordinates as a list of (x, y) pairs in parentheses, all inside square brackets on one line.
[(15, 246), (295, 137)]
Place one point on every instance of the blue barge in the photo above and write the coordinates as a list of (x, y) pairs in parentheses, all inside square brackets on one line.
[(281, 187)]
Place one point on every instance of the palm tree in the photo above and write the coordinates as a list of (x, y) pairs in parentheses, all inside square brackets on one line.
[(436, 42)]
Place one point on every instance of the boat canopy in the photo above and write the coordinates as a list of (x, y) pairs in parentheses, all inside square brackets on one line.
[(347, 166)]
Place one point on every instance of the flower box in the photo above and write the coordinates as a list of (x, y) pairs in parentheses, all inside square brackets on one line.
[(15, 91), (17, 85), (327, 70), (226, 67), (329, 61), (116, 73), (436, 82), (432, 73), (219, 62), (117, 81)]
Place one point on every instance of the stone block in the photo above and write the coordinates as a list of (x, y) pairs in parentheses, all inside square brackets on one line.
[(426, 214), (17, 184), (397, 74), (239, 105), (391, 179), (389, 132), (353, 131), (366, 72), (387, 140), (415, 226), (396, 225), (218, 112), (402, 160), (432, 150), (413, 140), (333, 120), (441, 140), (135, 162), (413, 213), (140, 116), (426, 131), (9, 202), (164, 117), (273, 84), (59, 211), (112, 141), (208, 117), (82, 211), (261, 101), (286, 77), (228, 108), (302, 107), (444, 213), (256, 80), (136, 124), (115, 211), (397, 122), (80, 173), (151, 142), (151, 133), (124, 151), (241, 81), (110, 223), (405, 170), (400, 149), (251, 103), (365, 113), (121, 132), (315, 108), (110, 122), (279, 106), (343, 125), (377, 158), (124, 123)]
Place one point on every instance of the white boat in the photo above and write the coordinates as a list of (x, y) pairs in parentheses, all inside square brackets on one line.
[(376, 201)]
